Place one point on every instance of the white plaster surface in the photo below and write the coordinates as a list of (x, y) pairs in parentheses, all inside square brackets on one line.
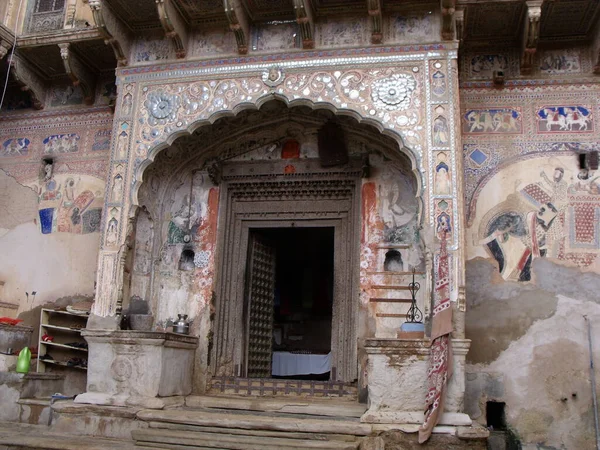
[(32, 261), (546, 377)]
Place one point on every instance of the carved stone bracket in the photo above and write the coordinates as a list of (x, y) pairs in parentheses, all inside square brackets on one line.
[(112, 29), (374, 8), (238, 23), (597, 65), (174, 25), (304, 17), (29, 80), (79, 74), (531, 34), (448, 9)]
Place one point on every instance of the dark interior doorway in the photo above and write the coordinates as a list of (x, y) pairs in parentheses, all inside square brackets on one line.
[(289, 303)]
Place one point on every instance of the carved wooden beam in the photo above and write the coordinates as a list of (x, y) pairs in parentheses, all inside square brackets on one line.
[(448, 8), (112, 29), (531, 34), (29, 80), (238, 23), (79, 74), (374, 8), (304, 17), (174, 26), (459, 23)]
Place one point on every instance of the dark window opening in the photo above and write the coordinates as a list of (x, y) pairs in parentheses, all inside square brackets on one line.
[(496, 416), (186, 262), (393, 261), (49, 5)]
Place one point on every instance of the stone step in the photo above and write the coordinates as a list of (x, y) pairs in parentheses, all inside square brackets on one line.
[(23, 436), (257, 421), (267, 433), (289, 405), (170, 439)]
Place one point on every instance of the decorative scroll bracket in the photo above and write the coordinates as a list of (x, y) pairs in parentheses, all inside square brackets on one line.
[(304, 18), (238, 23), (448, 9), (79, 74), (112, 29), (531, 34), (24, 74), (174, 26), (374, 8)]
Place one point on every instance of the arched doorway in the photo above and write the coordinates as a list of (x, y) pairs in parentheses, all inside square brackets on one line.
[(222, 194)]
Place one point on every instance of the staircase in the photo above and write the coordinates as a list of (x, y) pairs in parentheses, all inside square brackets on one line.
[(262, 423)]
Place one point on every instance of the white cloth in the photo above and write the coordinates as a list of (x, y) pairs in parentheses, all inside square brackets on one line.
[(288, 364)]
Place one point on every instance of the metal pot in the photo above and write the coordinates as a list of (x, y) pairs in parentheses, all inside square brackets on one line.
[(182, 326)]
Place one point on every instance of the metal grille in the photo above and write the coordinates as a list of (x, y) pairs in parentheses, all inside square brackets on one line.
[(261, 291)]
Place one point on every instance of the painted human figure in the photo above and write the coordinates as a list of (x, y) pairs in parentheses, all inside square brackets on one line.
[(122, 145), (127, 104), (117, 188), (440, 131), (111, 231), (442, 179), (48, 171)]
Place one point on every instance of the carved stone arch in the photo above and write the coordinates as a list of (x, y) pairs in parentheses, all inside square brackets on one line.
[(169, 139)]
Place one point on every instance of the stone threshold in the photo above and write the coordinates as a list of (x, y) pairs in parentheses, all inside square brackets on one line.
[(335, 407)]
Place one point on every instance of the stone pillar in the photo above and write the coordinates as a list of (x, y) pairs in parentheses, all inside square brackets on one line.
[(118, 216)]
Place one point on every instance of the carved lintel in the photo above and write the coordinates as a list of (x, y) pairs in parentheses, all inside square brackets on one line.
[(448, 9), (29, 80), (459, 23), (374, 8), (174, 26), (78, 73), (531, 34), (304, 18), (112, 29), (238, 23)]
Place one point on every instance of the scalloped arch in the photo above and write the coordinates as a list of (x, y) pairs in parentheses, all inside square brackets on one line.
[(138, 177)]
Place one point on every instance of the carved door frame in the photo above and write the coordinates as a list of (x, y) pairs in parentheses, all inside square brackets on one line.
[(262, 195)]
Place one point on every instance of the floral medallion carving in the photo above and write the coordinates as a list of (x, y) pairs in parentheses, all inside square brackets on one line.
[(121, 368), (273, 77), (162, 107), (393, 93)]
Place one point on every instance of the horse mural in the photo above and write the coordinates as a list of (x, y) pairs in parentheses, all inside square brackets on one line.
[(564, 119), (497, 120)]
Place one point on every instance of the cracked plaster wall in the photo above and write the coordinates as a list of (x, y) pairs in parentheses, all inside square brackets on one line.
[(532, 270), (49, 229)]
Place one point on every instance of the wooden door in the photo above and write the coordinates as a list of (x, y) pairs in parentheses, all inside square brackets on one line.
[(260, 298)]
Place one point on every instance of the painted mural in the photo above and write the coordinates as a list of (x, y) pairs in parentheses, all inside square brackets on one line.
[(273, 38), (565, 119), (412, 28), (61, 143), (492, 120), (333, 33), (188, 209), (565, 61), (65, 96), (484, 66), (70, 203), (553, 212), (15, 147), (101, 140)]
